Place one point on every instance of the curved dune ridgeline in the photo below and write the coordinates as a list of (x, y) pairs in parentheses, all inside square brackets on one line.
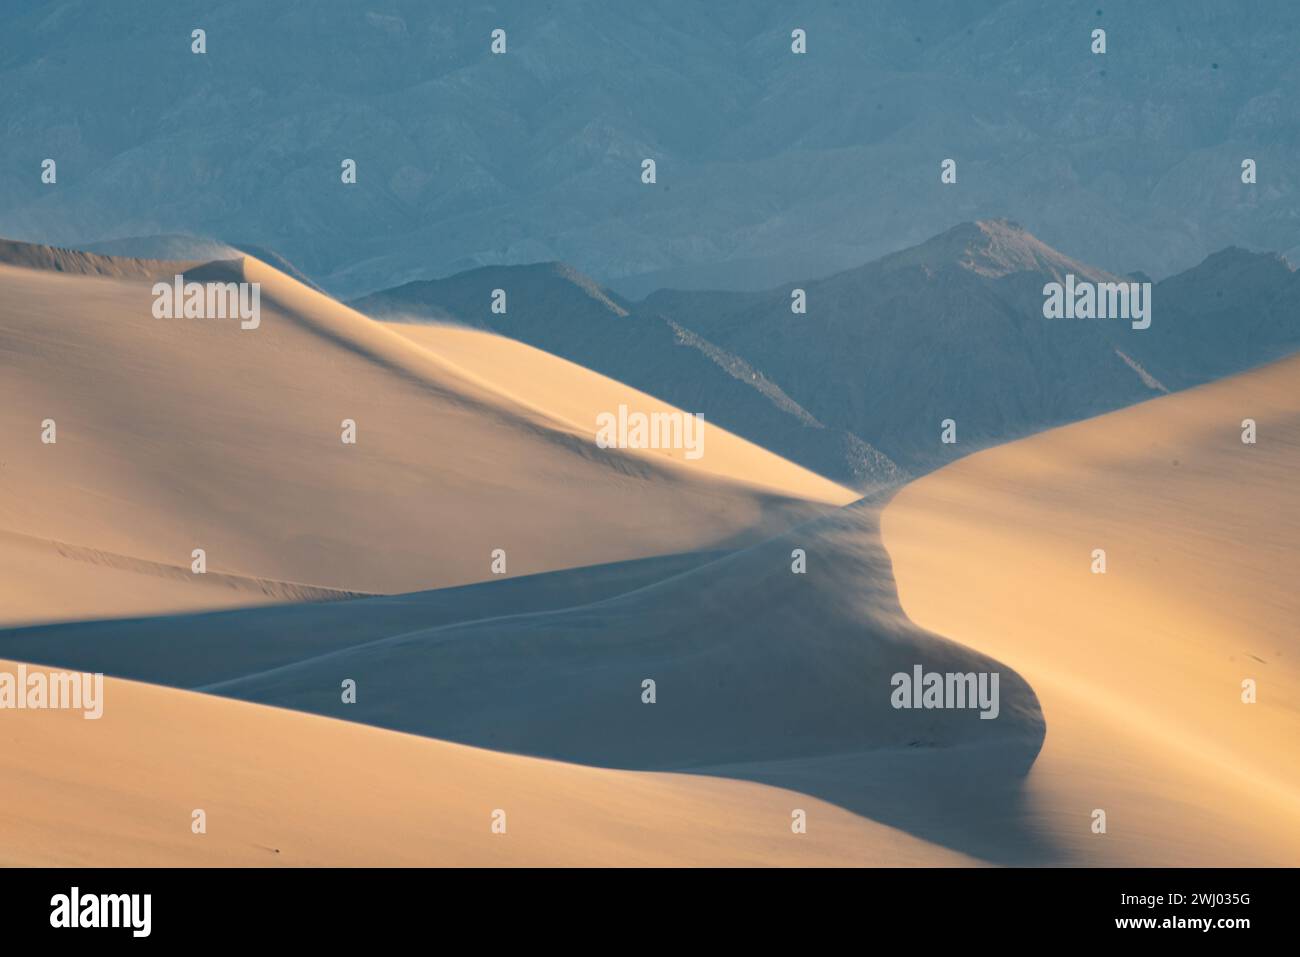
[(1139, 670)]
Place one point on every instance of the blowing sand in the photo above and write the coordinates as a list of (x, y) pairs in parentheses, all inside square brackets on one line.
[(1139, 670)]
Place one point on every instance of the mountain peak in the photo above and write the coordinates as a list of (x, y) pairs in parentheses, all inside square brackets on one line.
[(991, 248), (1236, 257)]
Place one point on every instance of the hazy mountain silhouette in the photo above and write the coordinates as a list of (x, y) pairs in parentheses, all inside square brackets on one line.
[(553, 307), (1232, 311)]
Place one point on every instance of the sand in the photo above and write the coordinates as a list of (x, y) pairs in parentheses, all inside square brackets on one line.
[(177, 434), (1120, 692), (280, 788), (1139, 670), (762, 676)]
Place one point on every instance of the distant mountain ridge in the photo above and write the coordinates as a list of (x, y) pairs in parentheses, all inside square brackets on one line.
[(858, 387), (772, 166)]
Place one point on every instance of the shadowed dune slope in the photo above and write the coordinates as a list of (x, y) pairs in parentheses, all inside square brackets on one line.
[(750, 662), (177, 434), (1139, 670), (203, 649), (759, 674)]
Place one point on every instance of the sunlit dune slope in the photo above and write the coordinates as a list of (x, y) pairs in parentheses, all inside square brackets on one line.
[(530, 376), (280, 788), (46, 580), (1139, 670), (177, 434)]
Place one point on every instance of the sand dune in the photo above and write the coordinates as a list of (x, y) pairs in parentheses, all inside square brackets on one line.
[(286, 789), (761, 675), (1139, 670), (1118, 691), (177, 434), (751, 663), (183, 434)]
